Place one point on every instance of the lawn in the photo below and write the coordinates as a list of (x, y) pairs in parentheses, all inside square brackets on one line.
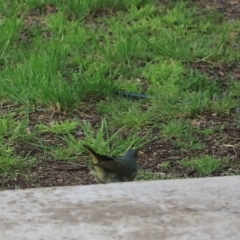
[(160, 76)]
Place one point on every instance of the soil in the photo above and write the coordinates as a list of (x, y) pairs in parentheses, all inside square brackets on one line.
[(222, 143)]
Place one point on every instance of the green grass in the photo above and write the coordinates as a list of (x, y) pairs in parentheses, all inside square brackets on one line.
[(147, 175), (205, 165), (183, 134), (58, 127), (11, 131), (71, 61), (69, 147)]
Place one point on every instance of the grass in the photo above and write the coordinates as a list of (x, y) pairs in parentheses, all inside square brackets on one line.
[(11, 164), (67, 59), (147, 175), (205, 165)]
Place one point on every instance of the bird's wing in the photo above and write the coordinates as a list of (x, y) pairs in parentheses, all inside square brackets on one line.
[(115, 167)]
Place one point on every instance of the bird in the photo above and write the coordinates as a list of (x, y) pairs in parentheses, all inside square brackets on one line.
[(109, 169)]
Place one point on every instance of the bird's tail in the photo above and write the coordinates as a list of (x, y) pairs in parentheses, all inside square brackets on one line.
[(93, 154)]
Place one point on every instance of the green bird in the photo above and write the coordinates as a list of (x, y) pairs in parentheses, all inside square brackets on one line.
[(108, 169)]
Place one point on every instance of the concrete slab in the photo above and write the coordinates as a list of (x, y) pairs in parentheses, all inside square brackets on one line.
[(172, 209)]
